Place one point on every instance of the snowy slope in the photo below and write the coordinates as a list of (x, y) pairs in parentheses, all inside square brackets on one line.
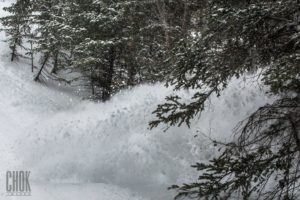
[(80, 150)]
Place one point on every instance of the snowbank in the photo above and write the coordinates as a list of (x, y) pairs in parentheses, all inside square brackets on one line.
[(111, 143), (78, 149)]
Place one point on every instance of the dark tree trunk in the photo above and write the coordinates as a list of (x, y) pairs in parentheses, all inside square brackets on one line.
[(42, 67), (14, 49), (131, 73), (55, 65), (109, 76), (130, 64), (31, 54), (92, 81)]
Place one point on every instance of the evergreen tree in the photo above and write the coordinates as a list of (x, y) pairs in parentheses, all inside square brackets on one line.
[(52, 32), (16, 25), (96, 52), (242, 36), (113, 44)]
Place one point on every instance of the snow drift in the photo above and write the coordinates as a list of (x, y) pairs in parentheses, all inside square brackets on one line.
[(106, 150), (111, 142)]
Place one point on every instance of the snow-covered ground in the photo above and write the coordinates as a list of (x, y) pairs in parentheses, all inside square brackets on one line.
[(79, 150)]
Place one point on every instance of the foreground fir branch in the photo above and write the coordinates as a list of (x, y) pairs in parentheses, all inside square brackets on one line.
[(241, 37), (263, 163)]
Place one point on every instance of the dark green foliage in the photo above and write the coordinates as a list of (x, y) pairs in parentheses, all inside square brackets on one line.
[(193, 44), (17, 25), (262, 164), (237, 37), (113, 44)]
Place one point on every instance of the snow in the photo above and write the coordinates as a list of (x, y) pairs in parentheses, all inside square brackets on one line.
[(77, 149)]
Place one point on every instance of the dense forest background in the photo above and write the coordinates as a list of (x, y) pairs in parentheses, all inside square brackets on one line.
[(112, 44), (198, 45)]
